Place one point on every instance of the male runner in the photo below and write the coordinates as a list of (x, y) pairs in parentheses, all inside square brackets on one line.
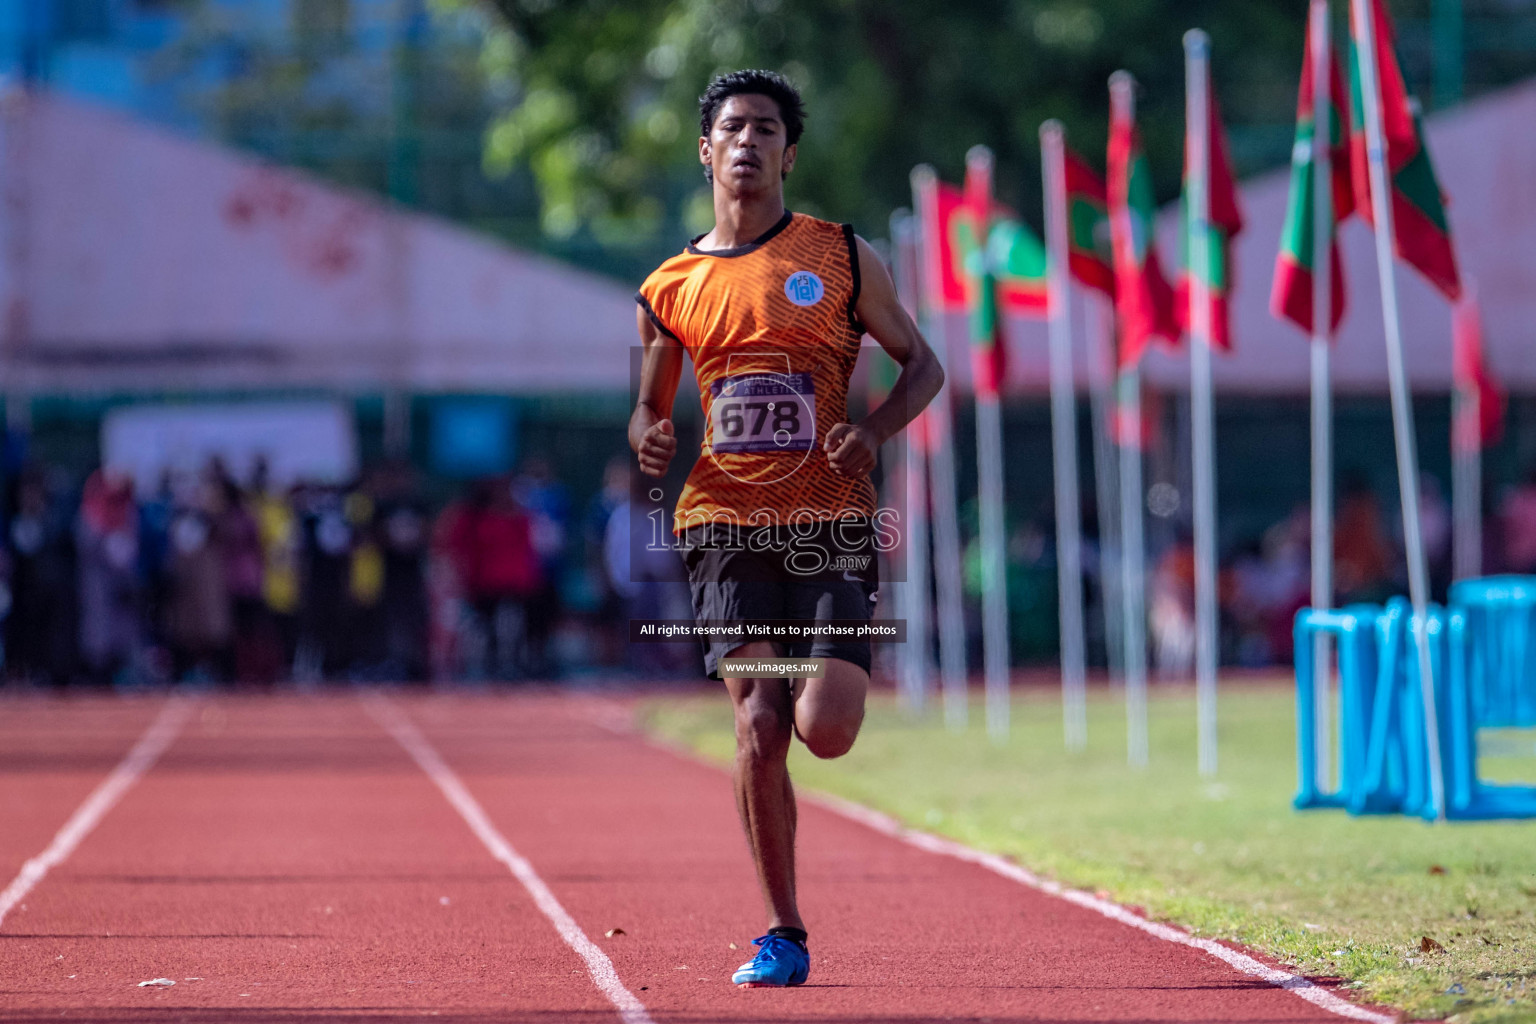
[(771, 306)]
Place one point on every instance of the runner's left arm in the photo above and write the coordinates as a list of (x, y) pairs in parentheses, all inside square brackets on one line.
[(851, 448)]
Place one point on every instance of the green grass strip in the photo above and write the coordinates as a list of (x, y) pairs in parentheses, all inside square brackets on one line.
[(1332, 895)]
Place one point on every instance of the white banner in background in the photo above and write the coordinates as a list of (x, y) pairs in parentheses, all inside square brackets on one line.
[(312, 441)]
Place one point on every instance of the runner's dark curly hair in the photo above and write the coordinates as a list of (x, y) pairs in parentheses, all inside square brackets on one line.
[(757, 83)]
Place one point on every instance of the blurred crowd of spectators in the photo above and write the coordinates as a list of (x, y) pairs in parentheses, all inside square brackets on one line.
[(1268, 579), (209, 579)]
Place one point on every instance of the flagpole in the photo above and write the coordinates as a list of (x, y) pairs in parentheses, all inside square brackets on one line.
[(1467, 484), (1402, 409), (1133, 567), (1322, 398), (1466, 457), (1197, 56), (946, 560), (917, 665), (941, 465), (1122, 97), (1069, 556), (1111, 550), (989, 471), (912, 601)]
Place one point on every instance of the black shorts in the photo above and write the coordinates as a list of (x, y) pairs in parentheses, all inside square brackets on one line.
[(742, 575)]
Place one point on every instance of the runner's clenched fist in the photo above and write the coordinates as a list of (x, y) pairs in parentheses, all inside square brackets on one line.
[(656, 447), (851, 450)]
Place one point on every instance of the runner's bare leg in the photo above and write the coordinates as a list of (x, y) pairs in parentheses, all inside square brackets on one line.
[(826, 713), (764, 714)]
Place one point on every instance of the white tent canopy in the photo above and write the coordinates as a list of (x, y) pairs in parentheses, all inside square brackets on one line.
[(133, 260)]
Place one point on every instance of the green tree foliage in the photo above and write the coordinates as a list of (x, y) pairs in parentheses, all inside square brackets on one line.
[(396, 105), (601, 94), (569, 125)]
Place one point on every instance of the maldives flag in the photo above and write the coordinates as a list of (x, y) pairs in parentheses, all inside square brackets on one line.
[(943, 216), (1014, 252), (1143, 299), (1291, 296), (1480, 402), (1088, 247), (989, 349), (1422, 234), (1225, 220), (1006, 273), (1016, 257), (960, 275)]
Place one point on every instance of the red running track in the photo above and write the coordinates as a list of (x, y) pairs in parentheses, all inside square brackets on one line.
[(287, 860)]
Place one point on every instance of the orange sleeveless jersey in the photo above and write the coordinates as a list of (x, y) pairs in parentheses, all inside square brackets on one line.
[(771, 330)]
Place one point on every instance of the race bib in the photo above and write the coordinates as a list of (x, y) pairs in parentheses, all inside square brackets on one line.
[(763, 412)]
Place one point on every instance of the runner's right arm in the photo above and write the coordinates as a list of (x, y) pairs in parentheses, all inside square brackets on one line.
[(650, 426)]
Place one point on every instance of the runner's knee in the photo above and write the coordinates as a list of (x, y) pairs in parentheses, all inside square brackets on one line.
[(763, 728), (829, 738), (829, 711)]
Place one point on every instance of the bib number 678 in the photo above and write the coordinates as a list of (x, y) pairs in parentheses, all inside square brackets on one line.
[(734, 416)]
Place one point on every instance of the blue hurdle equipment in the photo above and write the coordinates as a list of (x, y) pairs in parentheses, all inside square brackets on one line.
[(1354, 633), (1500, 613), (1491, 685), (1480, 660)]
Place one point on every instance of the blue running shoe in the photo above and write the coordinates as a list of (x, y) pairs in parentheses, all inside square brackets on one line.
[(779, 962)]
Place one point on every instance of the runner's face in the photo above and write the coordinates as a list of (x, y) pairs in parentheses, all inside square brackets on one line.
[(746, 146)]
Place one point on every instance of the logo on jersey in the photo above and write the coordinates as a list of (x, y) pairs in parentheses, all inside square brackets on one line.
[(804, 288)]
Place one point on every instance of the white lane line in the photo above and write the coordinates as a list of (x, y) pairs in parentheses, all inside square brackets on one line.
[(607, 716), (394, 722), (1294, 983), (86, 817)]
